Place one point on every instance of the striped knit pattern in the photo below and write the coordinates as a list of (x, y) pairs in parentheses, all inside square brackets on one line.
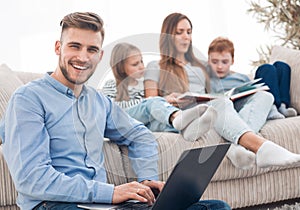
[(136, 96)]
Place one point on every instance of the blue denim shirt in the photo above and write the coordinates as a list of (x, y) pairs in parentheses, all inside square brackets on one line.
[(52, 142)]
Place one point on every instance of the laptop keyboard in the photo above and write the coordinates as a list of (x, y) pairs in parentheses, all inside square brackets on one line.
[(132, 205)]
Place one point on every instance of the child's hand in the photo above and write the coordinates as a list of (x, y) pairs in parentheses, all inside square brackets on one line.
[(172, 98), (181, 103)]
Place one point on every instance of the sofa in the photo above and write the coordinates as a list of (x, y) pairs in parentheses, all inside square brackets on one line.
[(240, 188)]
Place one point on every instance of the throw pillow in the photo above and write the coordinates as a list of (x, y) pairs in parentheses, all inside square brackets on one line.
[(291, 57), (9, 82)]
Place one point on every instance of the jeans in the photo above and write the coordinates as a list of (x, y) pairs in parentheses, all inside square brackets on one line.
[(154, 113), (254, 109), (244, 115), (209, 204), (278, 78), (228, 123), (201, 205)]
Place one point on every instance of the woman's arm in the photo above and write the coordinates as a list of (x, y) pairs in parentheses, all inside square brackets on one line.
[(151, 88)]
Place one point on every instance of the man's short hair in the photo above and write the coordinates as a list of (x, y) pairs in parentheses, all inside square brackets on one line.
[(83, 20)]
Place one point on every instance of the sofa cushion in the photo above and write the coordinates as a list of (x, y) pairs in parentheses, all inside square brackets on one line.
[(9, 83), (26, 77), (8, 194), (114, 163), (291, 57)]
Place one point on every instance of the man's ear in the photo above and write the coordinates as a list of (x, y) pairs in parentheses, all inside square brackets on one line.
[(57, 47)]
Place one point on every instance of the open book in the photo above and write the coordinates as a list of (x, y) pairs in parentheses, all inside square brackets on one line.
[(246, 89)]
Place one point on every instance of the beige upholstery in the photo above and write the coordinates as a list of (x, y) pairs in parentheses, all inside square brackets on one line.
[(291, 57), (240, 188), (9, 82)]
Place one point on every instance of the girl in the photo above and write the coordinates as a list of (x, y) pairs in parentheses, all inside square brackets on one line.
[(156, 113)]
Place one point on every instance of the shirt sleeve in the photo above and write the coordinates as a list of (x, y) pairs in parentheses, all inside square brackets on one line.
[(152, 71), (142, 146)]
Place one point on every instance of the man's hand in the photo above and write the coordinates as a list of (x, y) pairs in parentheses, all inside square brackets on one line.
[(156, 186), (137, 191)]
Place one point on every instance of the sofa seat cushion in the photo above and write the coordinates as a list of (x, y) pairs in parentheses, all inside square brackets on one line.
[(114, 163), (284, 132), (172, 145)]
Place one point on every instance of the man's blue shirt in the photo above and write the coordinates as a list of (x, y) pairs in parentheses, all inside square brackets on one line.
[(52, 142)]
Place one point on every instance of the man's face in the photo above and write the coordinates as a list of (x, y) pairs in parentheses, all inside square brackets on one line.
[(220, 63), (79, 53)]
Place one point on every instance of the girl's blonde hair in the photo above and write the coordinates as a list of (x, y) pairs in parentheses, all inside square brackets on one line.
[(119, 54)]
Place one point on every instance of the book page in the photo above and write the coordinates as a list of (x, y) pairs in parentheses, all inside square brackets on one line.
[(248, 92), (244, 87)]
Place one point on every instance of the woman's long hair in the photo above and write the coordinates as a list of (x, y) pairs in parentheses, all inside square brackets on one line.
[(119, 54), (173, 77)]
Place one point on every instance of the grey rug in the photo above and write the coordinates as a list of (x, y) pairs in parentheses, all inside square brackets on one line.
[(295, 206)]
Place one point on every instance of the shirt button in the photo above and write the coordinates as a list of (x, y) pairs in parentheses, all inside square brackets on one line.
[(69, 92)]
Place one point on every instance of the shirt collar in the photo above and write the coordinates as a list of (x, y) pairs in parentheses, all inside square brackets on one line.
[(62, 88)]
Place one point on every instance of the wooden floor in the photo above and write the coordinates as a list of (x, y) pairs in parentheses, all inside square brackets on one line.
[(271, 206)]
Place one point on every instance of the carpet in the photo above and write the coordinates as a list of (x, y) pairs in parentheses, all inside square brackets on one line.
[(281, 205), (295, 206)]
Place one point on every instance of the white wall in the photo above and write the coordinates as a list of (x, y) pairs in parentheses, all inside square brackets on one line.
[(30, 28)]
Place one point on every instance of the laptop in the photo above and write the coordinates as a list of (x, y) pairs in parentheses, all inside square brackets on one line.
[(186, 183)]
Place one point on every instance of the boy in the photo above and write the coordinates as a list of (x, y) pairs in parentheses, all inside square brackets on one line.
[(253, 109), (220, 59)]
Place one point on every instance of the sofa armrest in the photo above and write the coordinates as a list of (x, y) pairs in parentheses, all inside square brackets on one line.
[(8, 193), (291, 57), (26, 77)]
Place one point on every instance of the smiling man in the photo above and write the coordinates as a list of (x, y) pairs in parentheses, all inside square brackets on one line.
[(54, 128)]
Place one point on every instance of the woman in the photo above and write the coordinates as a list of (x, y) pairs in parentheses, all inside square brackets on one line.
[(179, 63)]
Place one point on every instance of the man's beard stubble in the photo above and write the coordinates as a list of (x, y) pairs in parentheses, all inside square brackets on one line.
[(69, 79)]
